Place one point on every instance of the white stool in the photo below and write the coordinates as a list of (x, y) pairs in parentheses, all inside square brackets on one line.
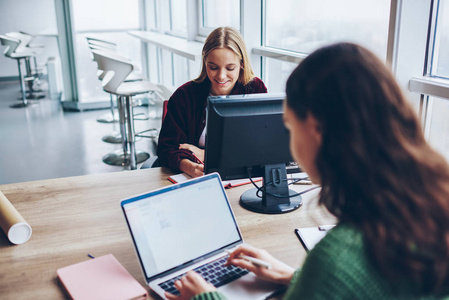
[(10, 52), (32, 77), (111, 49), (124, 90)]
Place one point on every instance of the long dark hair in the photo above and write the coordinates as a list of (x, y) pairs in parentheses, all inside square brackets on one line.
[(377, 171)]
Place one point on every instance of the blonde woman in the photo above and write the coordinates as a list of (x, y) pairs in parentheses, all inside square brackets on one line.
[(226, 70)]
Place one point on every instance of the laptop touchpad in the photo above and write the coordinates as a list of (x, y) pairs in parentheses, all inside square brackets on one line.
[(249, 287)]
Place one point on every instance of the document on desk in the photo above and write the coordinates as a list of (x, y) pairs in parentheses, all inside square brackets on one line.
[(310, 236), (227, 184), (100, 278)]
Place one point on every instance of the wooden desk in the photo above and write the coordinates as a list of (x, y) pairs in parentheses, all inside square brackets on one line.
[(74, 216)]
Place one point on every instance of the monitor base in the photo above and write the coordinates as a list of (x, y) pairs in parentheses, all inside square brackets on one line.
[(250, 201)]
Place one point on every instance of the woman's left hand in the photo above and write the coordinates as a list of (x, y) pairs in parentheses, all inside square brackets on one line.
[(190, 285)]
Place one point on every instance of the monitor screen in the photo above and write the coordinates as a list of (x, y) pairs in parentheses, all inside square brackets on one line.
[(246, 137), (245, 131)]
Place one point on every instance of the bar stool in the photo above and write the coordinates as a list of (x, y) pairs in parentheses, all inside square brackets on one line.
[(124, 90), (32, 77), (115, 137), (10, 52), (111, 117), (107, 46)]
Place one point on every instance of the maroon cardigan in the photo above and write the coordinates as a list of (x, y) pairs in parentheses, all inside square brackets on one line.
[(186, 119)]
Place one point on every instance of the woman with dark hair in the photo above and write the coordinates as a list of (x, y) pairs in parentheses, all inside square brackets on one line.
[(354, 133), (225, 70)]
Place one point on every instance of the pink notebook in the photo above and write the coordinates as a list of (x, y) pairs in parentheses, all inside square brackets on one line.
[(100, 278)]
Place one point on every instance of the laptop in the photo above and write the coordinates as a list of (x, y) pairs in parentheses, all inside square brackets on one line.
[(189, 226)]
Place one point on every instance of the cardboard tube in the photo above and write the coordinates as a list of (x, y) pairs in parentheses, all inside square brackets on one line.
[(12, 223)]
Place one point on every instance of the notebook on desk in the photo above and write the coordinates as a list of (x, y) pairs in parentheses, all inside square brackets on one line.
[(189, 226), (310, 236), (102, 278)]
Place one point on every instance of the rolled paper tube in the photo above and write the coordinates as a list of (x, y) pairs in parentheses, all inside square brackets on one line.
[(12, 223)]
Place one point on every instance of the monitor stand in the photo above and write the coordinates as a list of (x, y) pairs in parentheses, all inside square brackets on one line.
[(269, 204)]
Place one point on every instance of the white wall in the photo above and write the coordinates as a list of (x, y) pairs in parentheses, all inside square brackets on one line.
[(32, 17)]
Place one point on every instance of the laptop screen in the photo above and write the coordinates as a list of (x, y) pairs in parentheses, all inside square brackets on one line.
[(175, 225)]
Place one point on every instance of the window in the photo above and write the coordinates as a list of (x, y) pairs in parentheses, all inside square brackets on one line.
[(305, 25), (99, 19), (437, 123), (181, 67), (102, 15), (440, 59), (219, 13), (277, 73), (151, 16), (178, 17)]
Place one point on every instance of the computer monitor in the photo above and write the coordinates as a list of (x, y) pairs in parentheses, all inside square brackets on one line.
[(246, 137)]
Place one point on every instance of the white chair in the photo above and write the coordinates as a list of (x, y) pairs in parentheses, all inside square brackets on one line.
[(111, 48), (12, 44), (112, 117), (114, 82)]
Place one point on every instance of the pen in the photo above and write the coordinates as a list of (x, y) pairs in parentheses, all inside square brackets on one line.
[(325, 227), (199, 161), (254, 261)]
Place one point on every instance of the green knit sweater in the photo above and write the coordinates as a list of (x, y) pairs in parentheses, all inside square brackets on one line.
[(338, 268)]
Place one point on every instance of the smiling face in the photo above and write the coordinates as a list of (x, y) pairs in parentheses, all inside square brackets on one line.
[(223, 70)]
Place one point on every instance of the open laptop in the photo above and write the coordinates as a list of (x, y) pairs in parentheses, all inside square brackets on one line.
[(188, 226)]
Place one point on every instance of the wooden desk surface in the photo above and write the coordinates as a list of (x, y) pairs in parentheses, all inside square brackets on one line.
[(74, 216)]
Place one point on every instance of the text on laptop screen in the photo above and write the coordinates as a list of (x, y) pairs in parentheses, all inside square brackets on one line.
[(179, 225)]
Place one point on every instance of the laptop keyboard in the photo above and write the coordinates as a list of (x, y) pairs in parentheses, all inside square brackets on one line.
[(214, 272)]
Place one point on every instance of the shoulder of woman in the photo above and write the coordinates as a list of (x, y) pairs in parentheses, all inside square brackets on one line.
[(340, 258), (188, 90), (257, 85), (257, 80), (340, 244), (345, 234)]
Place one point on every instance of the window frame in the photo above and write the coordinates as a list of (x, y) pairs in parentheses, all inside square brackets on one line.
[(170, 30), (204, 31)]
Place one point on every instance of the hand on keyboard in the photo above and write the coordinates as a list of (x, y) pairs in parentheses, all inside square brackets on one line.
[(189, 286), (212, 274)]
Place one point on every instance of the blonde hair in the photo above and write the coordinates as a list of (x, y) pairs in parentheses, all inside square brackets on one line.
[(229, 38)]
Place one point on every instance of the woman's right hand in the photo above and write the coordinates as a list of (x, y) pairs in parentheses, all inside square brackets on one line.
[(191, 168), (278, 273)]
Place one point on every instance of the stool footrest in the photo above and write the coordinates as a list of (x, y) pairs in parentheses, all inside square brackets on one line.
[(144, 118), (152, 135)]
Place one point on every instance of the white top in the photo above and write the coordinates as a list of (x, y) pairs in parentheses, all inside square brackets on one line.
[(202, 141)]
